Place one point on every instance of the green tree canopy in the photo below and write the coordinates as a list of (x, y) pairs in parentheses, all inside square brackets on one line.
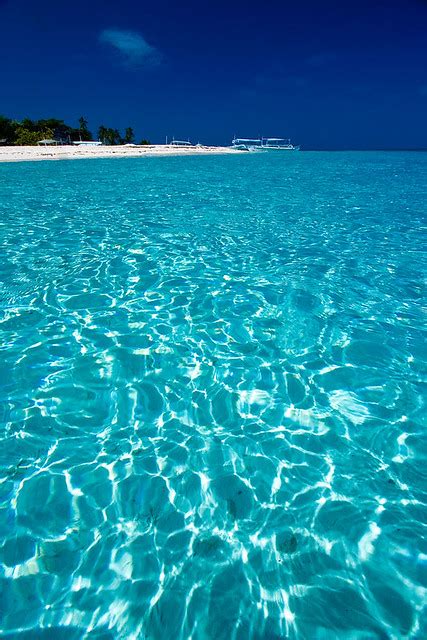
[(107, 135), (102, 132), (129, 136), (7, 129), (31, 131), (24, 136), (84, 132)]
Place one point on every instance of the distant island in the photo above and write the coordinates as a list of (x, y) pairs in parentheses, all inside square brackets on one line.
[(29, 132)]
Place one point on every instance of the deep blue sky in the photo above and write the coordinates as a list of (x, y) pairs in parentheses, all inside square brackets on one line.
[(329, 74)]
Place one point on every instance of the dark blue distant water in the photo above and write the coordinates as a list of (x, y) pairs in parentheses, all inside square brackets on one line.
[(212, 400)]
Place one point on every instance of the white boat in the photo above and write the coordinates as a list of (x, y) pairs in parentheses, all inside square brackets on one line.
[(87, 143), (181, 143), (279, 144), (247, 144), (264, 144)]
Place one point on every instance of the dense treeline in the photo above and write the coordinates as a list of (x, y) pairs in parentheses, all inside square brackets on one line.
[(30, 132)]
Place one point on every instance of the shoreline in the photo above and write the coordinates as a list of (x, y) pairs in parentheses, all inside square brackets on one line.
[(69, 152)]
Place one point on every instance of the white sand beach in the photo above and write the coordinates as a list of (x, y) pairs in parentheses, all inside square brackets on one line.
[(69, 152)]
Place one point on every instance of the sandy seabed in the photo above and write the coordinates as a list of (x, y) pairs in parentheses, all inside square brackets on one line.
[(68, 152)]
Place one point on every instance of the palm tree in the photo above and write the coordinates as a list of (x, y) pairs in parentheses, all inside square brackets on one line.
[(102, 133), (129, 136), (84, 132)]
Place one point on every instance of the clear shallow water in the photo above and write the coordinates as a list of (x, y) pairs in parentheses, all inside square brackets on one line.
[(211, 398)]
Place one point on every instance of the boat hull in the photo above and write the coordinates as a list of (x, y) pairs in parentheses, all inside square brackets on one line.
[(244, 147), (290, 148), (254, 145)]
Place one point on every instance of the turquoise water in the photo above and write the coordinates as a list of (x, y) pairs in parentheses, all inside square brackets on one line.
[(212, 408)]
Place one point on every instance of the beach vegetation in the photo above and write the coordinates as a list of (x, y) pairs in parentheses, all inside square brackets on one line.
[(84, 133), (129, 136), (24, 136), (107, 135), (102, 133), (7, 129), (30, 132)]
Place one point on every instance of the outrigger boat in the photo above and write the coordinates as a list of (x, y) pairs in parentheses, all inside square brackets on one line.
[(264, 144), (246, 144), (279, 144)]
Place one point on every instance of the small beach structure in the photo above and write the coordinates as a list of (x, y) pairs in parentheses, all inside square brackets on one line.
[(47, 143)]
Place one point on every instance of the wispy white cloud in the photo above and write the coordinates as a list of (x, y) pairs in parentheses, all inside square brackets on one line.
[(133, 48)]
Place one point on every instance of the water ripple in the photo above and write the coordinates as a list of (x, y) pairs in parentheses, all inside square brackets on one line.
[(211, 398)]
